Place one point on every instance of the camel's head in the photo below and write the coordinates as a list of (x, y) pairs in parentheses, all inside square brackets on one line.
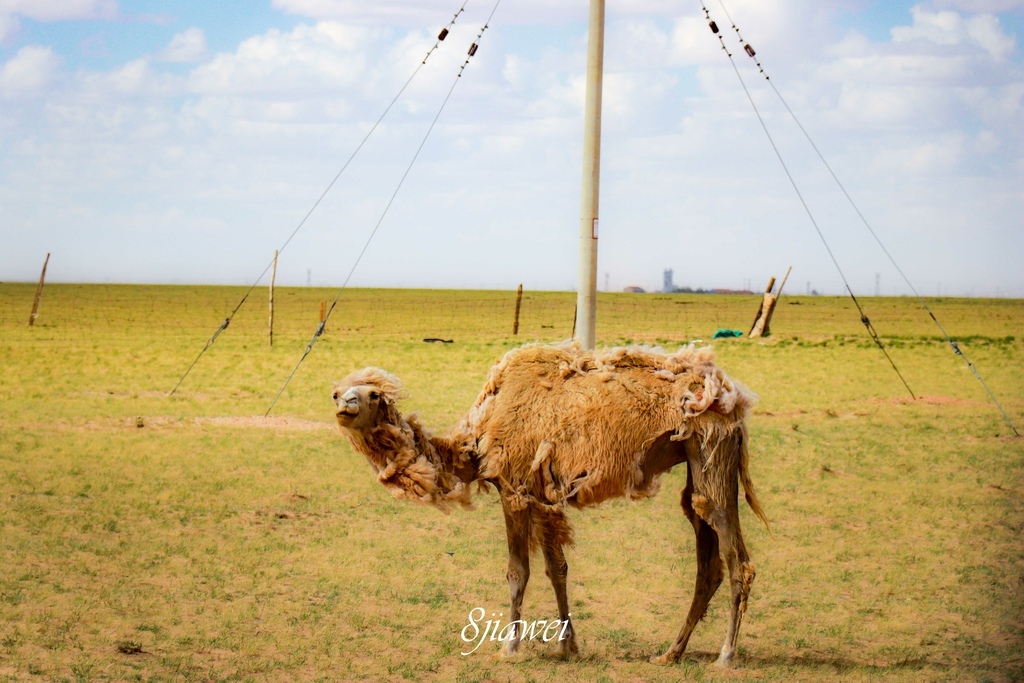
[(366, 398)]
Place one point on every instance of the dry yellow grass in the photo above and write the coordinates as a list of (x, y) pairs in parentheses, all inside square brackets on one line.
[(211, 544)]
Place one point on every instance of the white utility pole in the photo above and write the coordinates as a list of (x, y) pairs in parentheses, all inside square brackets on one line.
[(586, 289)]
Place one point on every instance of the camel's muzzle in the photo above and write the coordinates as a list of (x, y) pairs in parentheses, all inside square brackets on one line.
[(348, 404)]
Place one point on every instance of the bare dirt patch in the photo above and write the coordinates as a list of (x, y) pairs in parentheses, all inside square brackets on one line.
[(290, 423), (243, 421), (173, 422), (931, 400)]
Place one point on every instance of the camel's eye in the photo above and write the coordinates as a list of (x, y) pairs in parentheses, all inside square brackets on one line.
[(374, 395), (335, 395)]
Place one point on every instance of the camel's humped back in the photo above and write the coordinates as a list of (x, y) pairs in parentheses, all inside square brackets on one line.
[(588, 416)]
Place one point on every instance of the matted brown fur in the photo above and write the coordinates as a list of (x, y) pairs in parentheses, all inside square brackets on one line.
[(595, 414), (558, 426)]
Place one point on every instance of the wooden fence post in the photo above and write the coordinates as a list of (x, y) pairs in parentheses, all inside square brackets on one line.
[(767, 308), (519, 301), (270, 323), (39, 293), (760, 308), (771, 310)]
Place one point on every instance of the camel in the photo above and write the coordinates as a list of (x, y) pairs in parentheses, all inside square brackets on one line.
[(558, 426)]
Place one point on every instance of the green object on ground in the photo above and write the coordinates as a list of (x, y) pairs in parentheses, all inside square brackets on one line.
[(720, 333)]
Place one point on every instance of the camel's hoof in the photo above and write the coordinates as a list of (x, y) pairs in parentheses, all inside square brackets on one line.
[(663, 660), (724, 661), (568, 652), (560, 656)]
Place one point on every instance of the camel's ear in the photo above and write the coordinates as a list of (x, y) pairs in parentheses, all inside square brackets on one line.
[(390, 387), (391, 414)]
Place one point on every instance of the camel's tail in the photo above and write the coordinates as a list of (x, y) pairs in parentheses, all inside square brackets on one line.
[(748, 485)]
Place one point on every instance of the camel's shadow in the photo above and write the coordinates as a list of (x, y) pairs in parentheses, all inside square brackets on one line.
[(757, 660)]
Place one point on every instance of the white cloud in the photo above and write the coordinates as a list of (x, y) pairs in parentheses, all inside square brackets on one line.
[(986, 32), (922, 157), (982, 5), (941, 28), (1002, 107), (421, 13), (58, 10), (51, 10), (691, 44), (431, 12), (899, 69), (245, 139), (942, 72), (187, 46), (136, 79), (9, 25), (29, 71), (952, 28), (307, 60)]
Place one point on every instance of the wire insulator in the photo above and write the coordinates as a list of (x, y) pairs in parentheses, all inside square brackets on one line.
[(749, 50), (443, 34), (713, 26), (472, 49)]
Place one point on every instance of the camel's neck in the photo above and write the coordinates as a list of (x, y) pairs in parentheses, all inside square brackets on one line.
[(411, 461), (453, 457), (458, 461)]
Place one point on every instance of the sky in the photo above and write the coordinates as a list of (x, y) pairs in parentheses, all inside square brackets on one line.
[(149, 141)]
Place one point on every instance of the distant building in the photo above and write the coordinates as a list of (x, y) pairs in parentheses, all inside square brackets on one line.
[(634, 290), (667, 285)]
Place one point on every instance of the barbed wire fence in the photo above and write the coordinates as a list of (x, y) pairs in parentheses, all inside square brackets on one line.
[(112, 312), (100, 313)]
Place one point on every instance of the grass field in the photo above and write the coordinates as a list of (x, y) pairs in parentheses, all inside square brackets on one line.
[(212, 544)]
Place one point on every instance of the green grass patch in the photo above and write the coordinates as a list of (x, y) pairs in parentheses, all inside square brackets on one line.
[(211, 544)]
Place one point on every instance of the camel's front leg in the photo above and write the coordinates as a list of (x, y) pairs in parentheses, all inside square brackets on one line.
[(557, 570), (517, 528)]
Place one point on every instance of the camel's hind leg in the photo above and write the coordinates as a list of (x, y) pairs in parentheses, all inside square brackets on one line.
[(709, 575), (716, 501), (555, 532), (741, 576), (517, 528)]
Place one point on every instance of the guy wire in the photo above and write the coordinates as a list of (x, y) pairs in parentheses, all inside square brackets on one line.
[(863, 317), (952, 343), (320, 328), (227, 321)]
